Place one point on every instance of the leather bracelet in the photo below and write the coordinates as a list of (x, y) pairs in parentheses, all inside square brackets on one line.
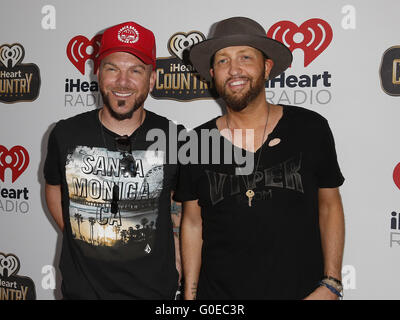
[(334, 284), (333, 279), (331, 288)]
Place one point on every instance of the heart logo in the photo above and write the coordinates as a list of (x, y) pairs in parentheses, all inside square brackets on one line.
[(313, 37), (396, 175), (17, 159), (9, 265), (80, 49), (180, 42), (11, 54)]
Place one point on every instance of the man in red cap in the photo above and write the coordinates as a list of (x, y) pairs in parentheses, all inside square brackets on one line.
[(107, 191), (278, 232)]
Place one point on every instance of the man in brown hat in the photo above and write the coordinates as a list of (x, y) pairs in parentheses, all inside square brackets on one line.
[(107, 191), (277, 233)]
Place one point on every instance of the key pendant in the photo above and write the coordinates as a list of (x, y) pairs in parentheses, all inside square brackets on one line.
[(250, 195)]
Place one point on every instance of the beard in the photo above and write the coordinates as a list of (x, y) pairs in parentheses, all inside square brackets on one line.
[(239, 102), (127, 115)]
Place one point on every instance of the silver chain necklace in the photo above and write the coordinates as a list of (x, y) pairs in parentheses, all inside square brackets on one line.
[(249, 188)]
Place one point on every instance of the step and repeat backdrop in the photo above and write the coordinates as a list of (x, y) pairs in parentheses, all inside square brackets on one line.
[(346, 67)]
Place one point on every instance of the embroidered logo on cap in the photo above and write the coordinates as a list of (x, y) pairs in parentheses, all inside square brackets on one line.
[(128, 34)]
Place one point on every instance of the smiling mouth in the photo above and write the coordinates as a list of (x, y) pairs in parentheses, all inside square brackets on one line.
[(237, 83), (122, 94)]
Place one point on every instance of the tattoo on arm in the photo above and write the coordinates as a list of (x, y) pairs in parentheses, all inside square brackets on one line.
[(176, 213), (176, 231), (176, 208), (194, 290)]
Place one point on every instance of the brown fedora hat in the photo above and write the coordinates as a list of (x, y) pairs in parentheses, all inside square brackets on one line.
[(239, 31)]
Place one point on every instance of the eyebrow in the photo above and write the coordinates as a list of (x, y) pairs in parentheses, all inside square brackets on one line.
[(110, 63), (139, 66), (240, 51), (134, 66)]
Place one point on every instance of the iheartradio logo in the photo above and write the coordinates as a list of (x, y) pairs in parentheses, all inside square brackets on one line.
[(80, 49), (16, 159), (313, 37)]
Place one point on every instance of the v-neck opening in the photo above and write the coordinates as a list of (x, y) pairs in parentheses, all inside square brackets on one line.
[(134, 133), (284, 111)]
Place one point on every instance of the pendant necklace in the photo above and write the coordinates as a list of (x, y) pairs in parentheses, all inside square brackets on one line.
[(249, 188)]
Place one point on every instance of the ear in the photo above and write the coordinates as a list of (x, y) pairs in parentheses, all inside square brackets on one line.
[(152, 80), (269, 64), (212, 72)]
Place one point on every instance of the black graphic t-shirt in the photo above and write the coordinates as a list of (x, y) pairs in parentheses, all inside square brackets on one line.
[(126, 253), (271, 250)]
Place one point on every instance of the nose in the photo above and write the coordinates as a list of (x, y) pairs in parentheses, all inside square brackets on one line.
[(123, 79), (234, 67)]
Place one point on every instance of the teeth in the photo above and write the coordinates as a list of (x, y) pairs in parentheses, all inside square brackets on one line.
[(237, 83), (123, 95)]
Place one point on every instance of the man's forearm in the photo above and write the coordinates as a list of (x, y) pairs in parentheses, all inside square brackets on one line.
[(192, 242), (332, 229), (191, 257), (176, 215), (53, 200), (332, 234)]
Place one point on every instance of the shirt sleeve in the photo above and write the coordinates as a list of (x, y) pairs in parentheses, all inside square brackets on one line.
[(52, 170), (328, 173)]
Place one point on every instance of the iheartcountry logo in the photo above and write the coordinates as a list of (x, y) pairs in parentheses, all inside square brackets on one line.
[(176, 77), (18, 81), (312, 37), (83, 92), (13, 286), (390, 71), (16, 159)]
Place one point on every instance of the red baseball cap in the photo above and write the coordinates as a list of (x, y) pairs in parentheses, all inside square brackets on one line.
[(128, 37)]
